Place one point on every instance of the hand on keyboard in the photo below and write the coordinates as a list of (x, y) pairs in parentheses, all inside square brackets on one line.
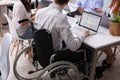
[(86, 32)]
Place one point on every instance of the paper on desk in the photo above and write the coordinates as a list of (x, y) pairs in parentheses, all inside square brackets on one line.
[(72, 7), (72, 21)]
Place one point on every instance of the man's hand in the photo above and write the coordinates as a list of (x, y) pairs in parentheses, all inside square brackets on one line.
[(86, 32), (98, 10), (80, 9)]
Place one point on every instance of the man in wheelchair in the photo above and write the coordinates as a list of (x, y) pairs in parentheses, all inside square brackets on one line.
[(51, 31), (52, 20)]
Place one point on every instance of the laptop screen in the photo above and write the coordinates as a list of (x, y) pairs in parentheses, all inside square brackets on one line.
[(90, 21)]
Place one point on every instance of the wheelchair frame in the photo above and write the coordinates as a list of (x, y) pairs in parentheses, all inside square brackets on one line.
[(49, 68)]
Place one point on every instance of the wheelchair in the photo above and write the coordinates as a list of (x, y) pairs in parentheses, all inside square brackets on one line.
[(43, 66)]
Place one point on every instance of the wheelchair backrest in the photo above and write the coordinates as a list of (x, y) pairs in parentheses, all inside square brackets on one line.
[(43, 46)]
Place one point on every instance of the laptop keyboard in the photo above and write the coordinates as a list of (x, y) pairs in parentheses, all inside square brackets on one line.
[(77, 29)]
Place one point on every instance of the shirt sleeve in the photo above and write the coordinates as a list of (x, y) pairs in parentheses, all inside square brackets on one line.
[(17, 14), (72, 43), (99, 4), (78, 3)]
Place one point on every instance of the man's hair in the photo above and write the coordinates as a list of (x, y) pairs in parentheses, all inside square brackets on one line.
[(61, 2)]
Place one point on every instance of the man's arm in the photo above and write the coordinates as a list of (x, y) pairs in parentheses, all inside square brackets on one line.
[(99, 5), (79, 4), (72, 43)]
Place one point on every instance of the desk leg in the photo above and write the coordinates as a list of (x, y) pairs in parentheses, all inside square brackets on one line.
[(93, 66), (115, 48), (1, 33)]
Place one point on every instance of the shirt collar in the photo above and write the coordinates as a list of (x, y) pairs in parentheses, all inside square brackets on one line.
[(53, 5)]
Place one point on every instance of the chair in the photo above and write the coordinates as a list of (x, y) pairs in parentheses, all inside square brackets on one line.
[(4, 57), (18, 40), (43, 60)]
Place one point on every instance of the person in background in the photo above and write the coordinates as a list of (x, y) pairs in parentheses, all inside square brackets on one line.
[(115, 6), (93, 6), (22, 10), (90, 6), (3, 20)]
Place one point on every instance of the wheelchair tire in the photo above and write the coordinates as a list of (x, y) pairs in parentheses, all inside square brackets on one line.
[(55, 68), (22, 65)]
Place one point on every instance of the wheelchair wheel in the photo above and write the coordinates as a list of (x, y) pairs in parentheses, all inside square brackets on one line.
[(22, 65), (61, 70)]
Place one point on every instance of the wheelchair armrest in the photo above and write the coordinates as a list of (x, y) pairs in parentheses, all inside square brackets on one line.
[(81, 50), (53, 55), (52, 58)]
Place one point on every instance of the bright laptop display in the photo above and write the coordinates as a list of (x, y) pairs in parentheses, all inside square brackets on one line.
[(90, 21)]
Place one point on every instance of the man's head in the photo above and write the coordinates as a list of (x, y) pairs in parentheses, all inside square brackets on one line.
[(61, 2)]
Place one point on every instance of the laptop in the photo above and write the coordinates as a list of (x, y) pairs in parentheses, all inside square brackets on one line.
[(88, 21), (104, 20)]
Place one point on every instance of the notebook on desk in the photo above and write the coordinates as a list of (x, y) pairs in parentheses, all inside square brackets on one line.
[(89, 21)]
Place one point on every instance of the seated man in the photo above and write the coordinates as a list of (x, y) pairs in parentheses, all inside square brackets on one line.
[(94, 6), (52, 19)]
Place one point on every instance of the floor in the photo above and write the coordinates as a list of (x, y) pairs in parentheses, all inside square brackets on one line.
[(111, 74)]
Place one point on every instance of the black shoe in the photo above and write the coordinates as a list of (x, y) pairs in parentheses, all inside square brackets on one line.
[(99, 71), (108, 65), (105, 64)]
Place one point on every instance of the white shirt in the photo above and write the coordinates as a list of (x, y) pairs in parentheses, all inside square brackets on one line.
[(52, 19), (19, 13), (90, 5)]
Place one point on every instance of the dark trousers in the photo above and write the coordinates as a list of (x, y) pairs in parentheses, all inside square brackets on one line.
[(67, 55), (73, 56)]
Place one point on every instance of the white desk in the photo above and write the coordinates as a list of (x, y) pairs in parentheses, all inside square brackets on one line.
[(98, 42)]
